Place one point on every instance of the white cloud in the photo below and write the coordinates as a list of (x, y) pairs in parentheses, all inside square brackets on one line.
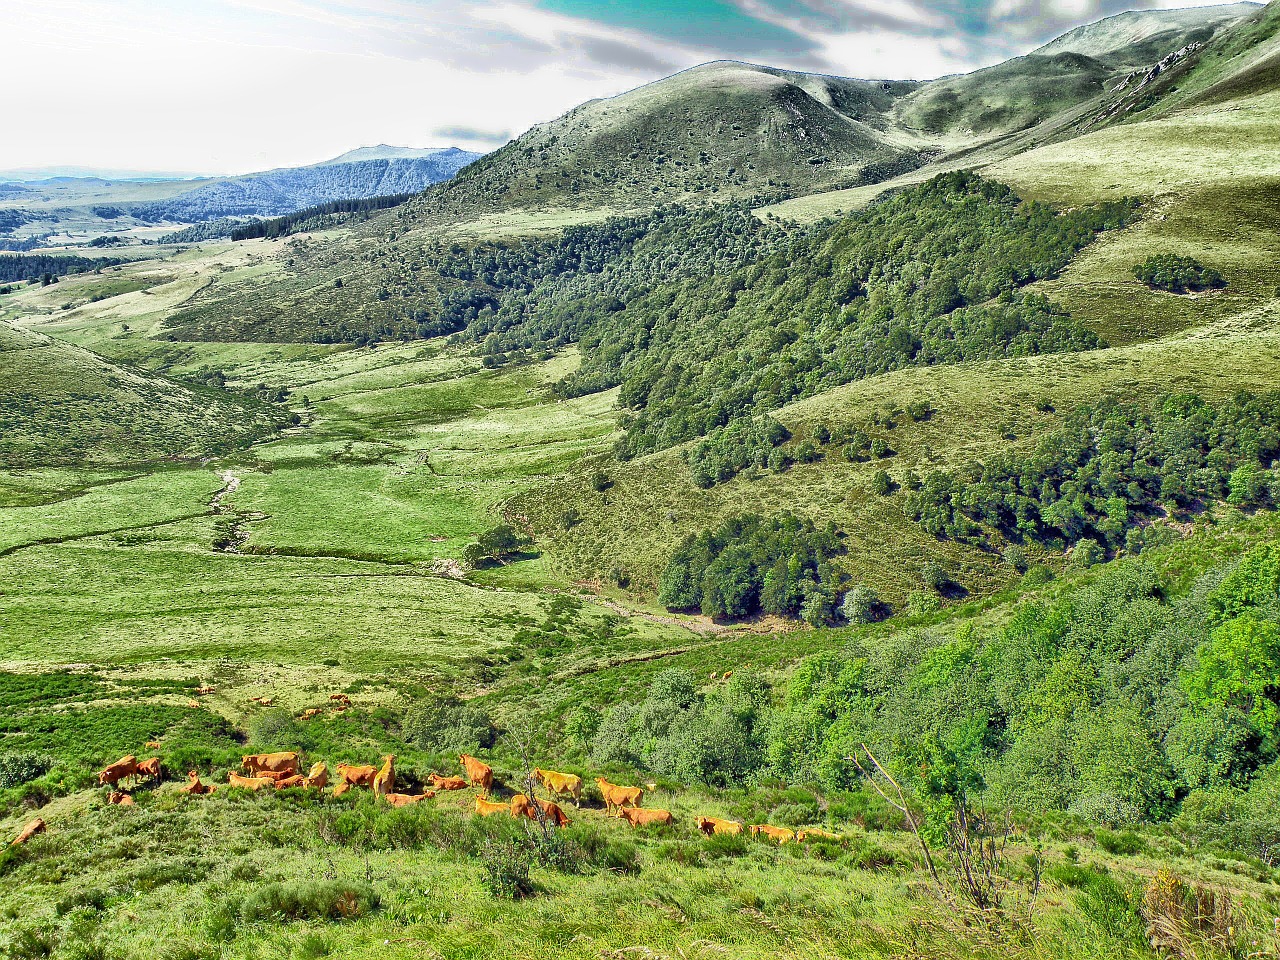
[(237, 85)]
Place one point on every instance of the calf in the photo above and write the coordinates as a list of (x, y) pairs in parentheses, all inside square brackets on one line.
[(779, 835), (446, 783), (486, 808), (384, 781), (713, 825), (149, 768), (406, 800), (30, 830), (645, 818), (249, 783), (361, 776), (561, 784), (617, 797), (479, 773), (536, 810), (194, 787)]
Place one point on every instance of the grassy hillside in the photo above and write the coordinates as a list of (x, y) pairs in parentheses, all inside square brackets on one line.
[(62, 405), (1099, 716), (718, 129)]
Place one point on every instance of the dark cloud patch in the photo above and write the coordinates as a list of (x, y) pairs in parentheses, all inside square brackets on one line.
[(473, 135), (614, 53)]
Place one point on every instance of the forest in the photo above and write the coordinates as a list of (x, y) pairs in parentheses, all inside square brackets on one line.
[(15, 268), (1107, 472), (1123, 701)]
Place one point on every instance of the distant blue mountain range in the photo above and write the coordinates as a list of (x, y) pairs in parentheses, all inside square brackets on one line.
[(278, 192)]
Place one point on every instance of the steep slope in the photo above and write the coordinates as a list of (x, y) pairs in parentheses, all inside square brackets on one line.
[(721, 128), (1048, 88), (60, 404), (1142, 37), (279, 192)]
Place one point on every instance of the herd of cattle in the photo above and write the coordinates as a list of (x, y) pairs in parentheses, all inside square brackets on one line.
[(278, 771)]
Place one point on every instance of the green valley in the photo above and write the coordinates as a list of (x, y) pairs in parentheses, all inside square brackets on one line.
[(891, 465)]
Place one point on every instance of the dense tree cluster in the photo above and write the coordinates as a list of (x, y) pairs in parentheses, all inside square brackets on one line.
[(1169, 272), (706, 316), (1109, 468), (320, 217), (14, 268), (729, 450), (751, 564), (1114, 701)]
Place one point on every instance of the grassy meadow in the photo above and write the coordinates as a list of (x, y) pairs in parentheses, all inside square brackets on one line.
[(299, 532)]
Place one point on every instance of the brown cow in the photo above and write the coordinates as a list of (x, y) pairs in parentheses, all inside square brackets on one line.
[(361, 776), (152, 745), (249, 783), (317, 777), (480, 774), (340, 701), (342, 787), (115, 772), (523, 806), (726, 675), (561, 784), (780, 835), (149, 768), (309, 713), (645, 818), (384, 781), (487, 809), (30, 830), (446, 783), (258, 764), (713, 825), (405, 800), (803, 835), (204, 690), (120, 799), (195, 787), (193, 704), (297, 780), (616, 796)]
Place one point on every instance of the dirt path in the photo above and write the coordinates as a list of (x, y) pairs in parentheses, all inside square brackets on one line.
[(230, 484)]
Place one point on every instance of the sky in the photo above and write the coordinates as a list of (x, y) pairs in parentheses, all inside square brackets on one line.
[(233, 86)]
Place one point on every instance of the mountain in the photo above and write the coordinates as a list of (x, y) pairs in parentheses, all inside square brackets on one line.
[(384, 152), (729, 128), (720, 128), (1130, 37), (279, 192)]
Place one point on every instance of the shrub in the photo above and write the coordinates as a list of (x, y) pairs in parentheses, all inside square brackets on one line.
[(1125, 843), (506, 871), (19, 768), (1174, 274), (309, 900), (881, 483), (860, 605), (447, 724)]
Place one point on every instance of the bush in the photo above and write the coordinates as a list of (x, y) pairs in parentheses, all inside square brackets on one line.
[(1174, 274), (1125, 843), (448, 725), (860, 605), (506, 871), (19, 768), (881, 483), (309, 900)]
